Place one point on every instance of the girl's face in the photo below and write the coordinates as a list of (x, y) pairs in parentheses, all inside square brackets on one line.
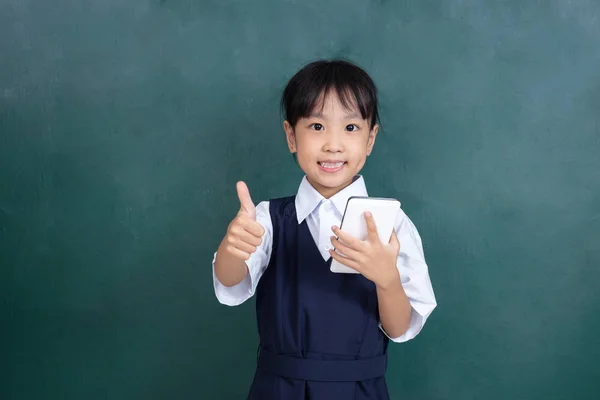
[(332, 144)]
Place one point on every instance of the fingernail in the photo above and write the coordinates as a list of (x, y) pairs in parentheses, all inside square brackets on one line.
[(367, 213)]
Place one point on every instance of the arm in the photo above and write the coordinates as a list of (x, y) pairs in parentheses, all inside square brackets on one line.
[(414, 278), (242, 257), (401, 276), (244, 235), (229, 269), (394, 308)]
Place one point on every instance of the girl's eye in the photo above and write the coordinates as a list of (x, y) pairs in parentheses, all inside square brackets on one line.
[(351, 128), (317, 127)]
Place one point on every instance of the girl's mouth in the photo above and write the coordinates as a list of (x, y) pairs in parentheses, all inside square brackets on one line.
[(331, 166)]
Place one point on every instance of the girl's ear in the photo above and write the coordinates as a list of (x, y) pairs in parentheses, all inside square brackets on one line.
[(290, 135), (371, 141)]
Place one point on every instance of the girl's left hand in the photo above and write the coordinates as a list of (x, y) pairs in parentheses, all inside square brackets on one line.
[(376, 261)]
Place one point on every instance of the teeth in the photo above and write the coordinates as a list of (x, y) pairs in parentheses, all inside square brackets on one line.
[(330, 165)]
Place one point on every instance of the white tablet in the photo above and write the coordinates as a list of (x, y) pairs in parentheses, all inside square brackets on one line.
[(384, 211)]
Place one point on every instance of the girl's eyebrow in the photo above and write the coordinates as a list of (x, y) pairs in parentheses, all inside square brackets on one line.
[(353, 115)]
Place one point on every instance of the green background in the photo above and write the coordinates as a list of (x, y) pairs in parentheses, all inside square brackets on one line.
[(125, 124)]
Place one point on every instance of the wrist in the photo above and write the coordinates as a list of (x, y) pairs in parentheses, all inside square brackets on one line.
[(391, 281)]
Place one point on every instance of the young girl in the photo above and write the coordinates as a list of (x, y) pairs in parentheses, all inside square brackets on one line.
[(324, 335)]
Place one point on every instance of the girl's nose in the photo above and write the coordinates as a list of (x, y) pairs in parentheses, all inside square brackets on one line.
[(334, 142)]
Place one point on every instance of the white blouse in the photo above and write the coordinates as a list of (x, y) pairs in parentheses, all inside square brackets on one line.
[(321, 214)]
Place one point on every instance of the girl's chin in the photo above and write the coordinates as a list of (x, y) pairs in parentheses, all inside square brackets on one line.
[(330, 182)]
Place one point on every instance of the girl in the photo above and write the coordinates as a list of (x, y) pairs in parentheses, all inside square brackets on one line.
[(324, 335)]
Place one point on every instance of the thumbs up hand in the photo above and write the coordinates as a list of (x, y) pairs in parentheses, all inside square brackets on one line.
[(244, 234)]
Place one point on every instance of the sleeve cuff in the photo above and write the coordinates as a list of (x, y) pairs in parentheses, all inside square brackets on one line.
[(419, 314), (237, 294)]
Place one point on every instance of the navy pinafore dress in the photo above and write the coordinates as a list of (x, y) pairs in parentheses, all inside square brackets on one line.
[(319, 331)]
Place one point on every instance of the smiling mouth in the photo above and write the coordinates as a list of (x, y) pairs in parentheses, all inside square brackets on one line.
[(331, 166)]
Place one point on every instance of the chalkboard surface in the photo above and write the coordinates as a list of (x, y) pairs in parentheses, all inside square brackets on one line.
[(124, 126)]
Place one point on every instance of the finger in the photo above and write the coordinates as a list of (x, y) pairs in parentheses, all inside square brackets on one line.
[(345, 261), (345, 250), (394, 242), (247, 237), (244, 246), (348, 239), (372, 233), (238, 253), (252, 227), (239, 230), (246, 204)]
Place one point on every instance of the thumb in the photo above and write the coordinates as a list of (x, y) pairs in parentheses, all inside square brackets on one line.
[(394, 242), (246, 204)]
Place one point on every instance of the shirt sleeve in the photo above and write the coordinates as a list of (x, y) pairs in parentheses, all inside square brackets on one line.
[(414, 275), (257, 263)]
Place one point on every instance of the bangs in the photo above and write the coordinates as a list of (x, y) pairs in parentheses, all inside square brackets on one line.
[(307, 90)]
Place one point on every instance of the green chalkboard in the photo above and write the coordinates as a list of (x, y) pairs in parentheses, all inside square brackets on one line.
[(124, 126)]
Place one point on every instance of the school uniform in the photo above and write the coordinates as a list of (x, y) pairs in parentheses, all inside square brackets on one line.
[(320, 334)]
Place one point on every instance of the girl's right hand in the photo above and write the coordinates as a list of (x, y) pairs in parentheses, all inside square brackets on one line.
[(244, 234)]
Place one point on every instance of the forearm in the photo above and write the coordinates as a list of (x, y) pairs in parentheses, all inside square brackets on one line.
[(394, 309), (229, 270)]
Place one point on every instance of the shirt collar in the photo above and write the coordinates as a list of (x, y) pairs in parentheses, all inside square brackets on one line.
[(308, 198)]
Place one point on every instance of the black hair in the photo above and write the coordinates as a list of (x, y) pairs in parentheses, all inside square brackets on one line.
[(307, 87)]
